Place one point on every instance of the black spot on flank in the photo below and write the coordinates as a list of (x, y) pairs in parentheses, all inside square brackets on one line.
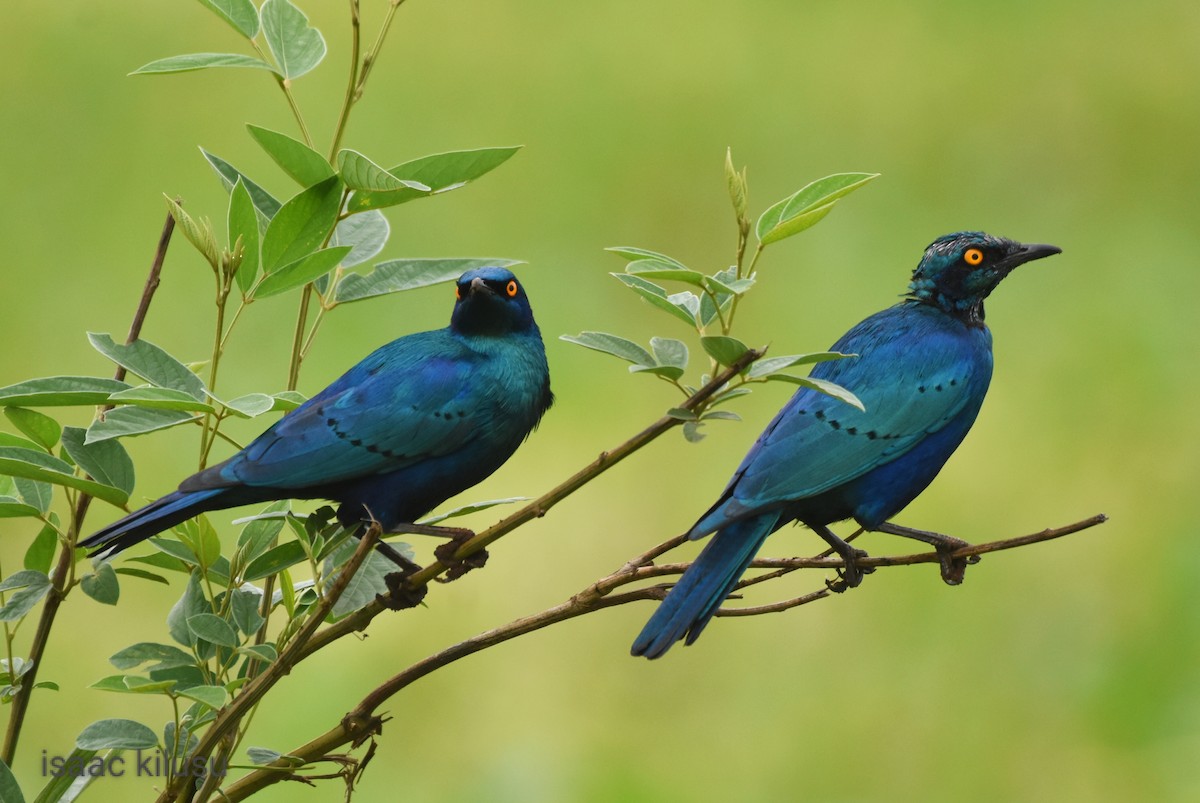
[(851, 430), (872, 434), (921, 389), (373, 449), (332, 422), (938, 388), (803, 412), (356, 442), (436, 414), (835, 424), (462, 413), (953, 382), (820, 415)]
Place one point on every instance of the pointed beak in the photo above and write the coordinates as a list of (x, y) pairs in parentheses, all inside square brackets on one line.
[(1028, 253), (478, 285)]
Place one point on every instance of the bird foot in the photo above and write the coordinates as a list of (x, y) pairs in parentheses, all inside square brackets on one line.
[(457, 567), (851, 575), (401, 594), (953, 568)]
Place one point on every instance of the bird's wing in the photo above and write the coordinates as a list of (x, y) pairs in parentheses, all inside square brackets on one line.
[(911, 378), (408, 401)]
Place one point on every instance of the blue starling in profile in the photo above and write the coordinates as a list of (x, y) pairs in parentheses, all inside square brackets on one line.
[(416, 422), (922, 370)]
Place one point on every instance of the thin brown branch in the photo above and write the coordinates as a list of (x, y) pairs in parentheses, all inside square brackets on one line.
[(61, 574), (364, 721)]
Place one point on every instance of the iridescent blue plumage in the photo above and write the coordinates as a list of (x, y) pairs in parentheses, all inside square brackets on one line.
[(922, 370), (416, 422)]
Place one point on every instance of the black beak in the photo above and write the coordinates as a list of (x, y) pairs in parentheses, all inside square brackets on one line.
[(1027, 253), (478, 285)]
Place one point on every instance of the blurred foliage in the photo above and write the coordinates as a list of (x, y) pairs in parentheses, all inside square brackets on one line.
[(1068, 671)]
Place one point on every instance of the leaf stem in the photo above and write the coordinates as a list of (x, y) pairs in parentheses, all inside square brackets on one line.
[(351, 84)]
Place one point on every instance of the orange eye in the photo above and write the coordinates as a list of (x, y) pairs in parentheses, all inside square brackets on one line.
[(973, 256), (511, 289), (457, 293)]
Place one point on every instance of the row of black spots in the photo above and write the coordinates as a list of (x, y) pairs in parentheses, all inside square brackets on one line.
[(937, 388), (448, 415)]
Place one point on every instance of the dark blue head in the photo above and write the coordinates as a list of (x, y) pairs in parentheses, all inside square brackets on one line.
[(959, 270), (490, 301)]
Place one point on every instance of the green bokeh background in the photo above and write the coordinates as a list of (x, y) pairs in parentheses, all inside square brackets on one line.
[(1064, 671)]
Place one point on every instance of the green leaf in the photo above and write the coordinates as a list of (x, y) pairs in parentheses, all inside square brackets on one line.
[(199, 233), (275, 560), (31, 587), (40, 554), (680, 414), (108, 734), (725, 415), (38, 426), (807, 206), (298, 160), (212, 628), (176, 549), (300, 272), (163, 656), (244, 605), (102, 586), (725, 350), (640, 254), (474, 507), (691, 431), (160, 399), (366, 584), (35, 493), (67, 785), (365, 233), (822, 386), (297, 48), (243, 225), (262, 756), (770, 365), (397, 275), (301, 225), (241, 14), (287, 401), (257, 535), (149, 362), (60, 391), (441, 172), (34, 465), (142, 574), (212, 696), (363, 175), (200, 61), (10, 790), (655, 269), (251, 405), (264, 653), (611, 344), (162, 560), (192, 602), (671, 353), (669, 371), (656, 296), (11, 508), (125, 421), (264, 202), (107, 461)]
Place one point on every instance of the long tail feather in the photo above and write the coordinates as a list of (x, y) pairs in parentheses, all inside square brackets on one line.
[(153, 519), (704, 586)]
